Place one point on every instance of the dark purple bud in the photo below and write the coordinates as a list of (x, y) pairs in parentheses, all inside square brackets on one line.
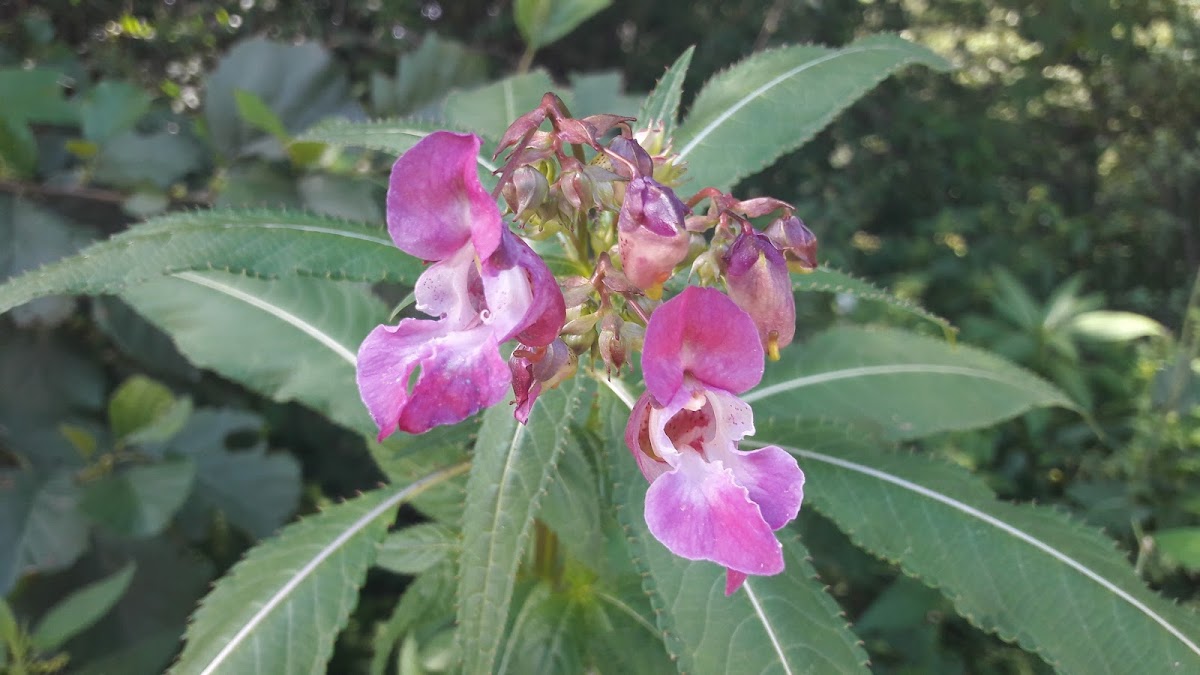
[(758, 280), (798, 243), (652, 239), (536, 369), (636, 162)]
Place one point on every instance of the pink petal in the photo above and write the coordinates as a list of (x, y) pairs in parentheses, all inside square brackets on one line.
[(444, 290), (701, 332), (435, 203), (461, 372), (733, 581), (700, 513), (539, 315), (772, 478), (759, 282), (637, 439)]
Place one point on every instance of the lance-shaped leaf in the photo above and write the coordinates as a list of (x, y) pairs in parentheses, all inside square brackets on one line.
[(289, 339), (748, 116), (905, 384), (265, 244), (784, 623), (279, 609), (835, 281), (391, 136), (80, 610), (513, 464), (1027, 573), (662, 105), (415, 549), (488, 110)]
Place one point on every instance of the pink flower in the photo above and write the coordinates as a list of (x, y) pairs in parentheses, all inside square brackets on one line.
[(485, 287), (758, 279), (651, 235), (707, 499)]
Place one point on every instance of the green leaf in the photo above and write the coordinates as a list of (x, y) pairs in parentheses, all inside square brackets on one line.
[(41, 527), (404, 458), (601, 92), (783, 623), (513, 464), (259, 115), (288, 339), (18, 148), (139, 501), (35, 95), (904, 384), (1023, 572), (31, 236), (138, 403), (830, 280), (394, 137), (662, 104), (1180, 546), (544, 21), (256, 491), (345, 197), (428, 599), (280, 608), (258, 243), (543, 637), (490, 109), (160, 159), (1107, 326), (748, 116), (80, 610), (417, 548), (570, 507), (111, 107), (300, 84), (426, 75)]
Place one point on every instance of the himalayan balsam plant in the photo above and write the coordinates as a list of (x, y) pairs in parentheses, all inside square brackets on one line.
[(602, 400)]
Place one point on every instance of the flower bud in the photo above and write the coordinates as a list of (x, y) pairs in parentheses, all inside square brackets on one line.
[(612, 347), (576, 290), (526, 191), (652, 239), (798, 243), (634, 156), (757, 276), (535, 369)]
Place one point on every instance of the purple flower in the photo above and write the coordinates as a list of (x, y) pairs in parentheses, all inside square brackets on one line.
[(708, 500), (758, 279), (651, 235), (484, 287)]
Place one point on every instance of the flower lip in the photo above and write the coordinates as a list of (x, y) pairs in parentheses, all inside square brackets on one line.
[(700, 332)]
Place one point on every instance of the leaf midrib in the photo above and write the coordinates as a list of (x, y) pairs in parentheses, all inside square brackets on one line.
[(748, 98), (274, 310), (992, 521), (892, 369), (412, 490)]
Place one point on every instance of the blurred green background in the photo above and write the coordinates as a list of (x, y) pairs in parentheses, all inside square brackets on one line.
[(1044, 197)]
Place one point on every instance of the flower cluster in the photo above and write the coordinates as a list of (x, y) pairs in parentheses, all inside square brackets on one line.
[(606, 198)]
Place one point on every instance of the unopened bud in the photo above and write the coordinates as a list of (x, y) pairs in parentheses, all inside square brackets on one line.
[(526, 191), (636, 162), (651, 236), (612, 348), (798, 243), (757, 276)]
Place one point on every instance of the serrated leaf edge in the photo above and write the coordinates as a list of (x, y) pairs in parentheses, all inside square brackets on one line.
[(411, 490), (996, 523)]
